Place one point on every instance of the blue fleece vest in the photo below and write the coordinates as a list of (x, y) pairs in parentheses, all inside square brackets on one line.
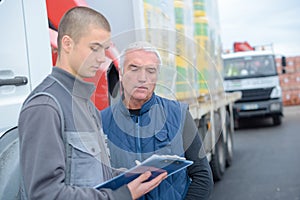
[(157, 130)]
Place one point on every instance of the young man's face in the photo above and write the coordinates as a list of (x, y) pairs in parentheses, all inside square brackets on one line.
[(139, 75), (88, 53)]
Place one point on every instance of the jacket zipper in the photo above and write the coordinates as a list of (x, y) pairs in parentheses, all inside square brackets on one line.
[(138, 139)]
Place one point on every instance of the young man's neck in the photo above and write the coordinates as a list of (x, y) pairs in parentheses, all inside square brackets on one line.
[(67, 68)]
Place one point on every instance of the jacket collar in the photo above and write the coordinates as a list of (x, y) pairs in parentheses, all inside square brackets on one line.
[(74, 85)]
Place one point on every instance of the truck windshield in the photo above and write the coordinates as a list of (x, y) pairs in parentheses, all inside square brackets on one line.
[(249, 67)]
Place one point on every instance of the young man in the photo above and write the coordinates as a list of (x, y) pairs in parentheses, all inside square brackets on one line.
[(142, 124), (62, 147)]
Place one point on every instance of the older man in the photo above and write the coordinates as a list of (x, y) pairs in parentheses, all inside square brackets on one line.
[(142, 124)]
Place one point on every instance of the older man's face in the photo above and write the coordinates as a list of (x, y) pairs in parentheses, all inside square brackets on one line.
[(139, 75)]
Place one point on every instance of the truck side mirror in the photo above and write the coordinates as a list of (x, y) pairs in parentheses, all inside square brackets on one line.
[(283, 64)]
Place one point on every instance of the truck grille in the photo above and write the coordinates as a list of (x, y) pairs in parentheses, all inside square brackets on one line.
[(256, 94)]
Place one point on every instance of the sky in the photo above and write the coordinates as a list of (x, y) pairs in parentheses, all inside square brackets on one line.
[(261, 22)]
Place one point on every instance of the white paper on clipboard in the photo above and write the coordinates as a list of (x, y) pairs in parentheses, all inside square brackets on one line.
[(157, 164)]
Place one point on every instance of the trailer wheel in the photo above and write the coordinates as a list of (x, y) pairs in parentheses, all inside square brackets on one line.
[(277, 120), (229, 147), (236, 123), (229, 141), (218, 161)]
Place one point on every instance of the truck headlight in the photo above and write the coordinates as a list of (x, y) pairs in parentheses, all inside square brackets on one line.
[(276, 92)]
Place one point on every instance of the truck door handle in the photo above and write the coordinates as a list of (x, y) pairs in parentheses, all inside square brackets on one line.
[(17, 81)]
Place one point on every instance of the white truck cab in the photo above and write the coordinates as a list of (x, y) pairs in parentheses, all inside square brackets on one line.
[(25, 55), (254, 74), (25, 61)]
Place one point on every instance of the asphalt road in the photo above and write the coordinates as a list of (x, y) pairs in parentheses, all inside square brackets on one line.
[(266, 162)]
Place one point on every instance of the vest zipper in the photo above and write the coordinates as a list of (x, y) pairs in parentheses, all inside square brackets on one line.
[(138, 139)]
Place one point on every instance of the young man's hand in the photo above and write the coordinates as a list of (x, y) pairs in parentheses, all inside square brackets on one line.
[(139, 187)]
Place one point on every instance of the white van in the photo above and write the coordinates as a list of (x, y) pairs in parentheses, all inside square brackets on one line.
[(25, 55)]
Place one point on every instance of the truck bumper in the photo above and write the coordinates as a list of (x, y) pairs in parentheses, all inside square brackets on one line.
[(258, 108)]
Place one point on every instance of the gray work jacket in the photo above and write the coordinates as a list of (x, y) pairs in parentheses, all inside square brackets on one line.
[(62, 146)]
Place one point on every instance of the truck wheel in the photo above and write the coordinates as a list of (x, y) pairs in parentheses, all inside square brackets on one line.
[(277, 120), (229, 149), (10, 166), (236, 124), (218, 161), (229, 143)]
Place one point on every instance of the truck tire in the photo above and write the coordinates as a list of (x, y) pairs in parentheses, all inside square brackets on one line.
[(10, 167), (229, 147), (229, 141), (277, 120), (218, 161), (236, 124)]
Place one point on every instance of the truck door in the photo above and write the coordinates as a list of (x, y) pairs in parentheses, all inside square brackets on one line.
[(24, 60)]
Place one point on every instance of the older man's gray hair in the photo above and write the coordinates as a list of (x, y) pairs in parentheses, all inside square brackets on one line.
[(139, 45)]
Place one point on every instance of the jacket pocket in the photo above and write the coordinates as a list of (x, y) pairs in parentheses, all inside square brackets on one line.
[(84, 159), (85, 142), (162, 143)]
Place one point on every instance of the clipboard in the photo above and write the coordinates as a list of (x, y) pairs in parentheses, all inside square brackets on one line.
[(157, 164)]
